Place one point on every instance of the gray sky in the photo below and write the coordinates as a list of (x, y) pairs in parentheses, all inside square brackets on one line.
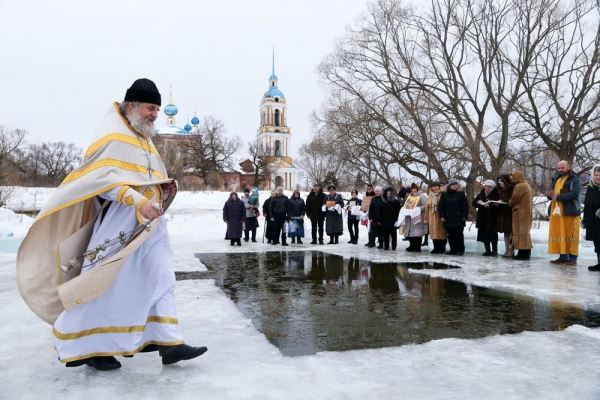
[(64, 62)]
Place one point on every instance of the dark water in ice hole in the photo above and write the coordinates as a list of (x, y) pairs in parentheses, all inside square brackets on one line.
[(305, 302)]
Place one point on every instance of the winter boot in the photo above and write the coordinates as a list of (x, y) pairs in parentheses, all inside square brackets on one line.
[(239, 242), (416, 244), (321, 241), (488, 251), (173, 354), (597, 266), (494, 249), (314, 241), (425, 240), (101, 363), (294, 240), (300, 241), (232, 242)]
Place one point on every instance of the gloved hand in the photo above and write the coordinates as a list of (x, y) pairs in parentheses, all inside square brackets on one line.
[(397, 224), (324, 208)]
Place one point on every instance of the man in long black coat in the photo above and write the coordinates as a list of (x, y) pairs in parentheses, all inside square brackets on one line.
[(453, 208), (591, 214), (314, 203), (279, 212), (267, 213), (375, 221)]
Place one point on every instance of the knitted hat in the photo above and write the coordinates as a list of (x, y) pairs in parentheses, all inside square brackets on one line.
[(452, 181), (489, 182), (144, 91), (414, 186)]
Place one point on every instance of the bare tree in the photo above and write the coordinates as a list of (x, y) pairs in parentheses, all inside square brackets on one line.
[(561, 107), (261, 162), (320, 159), (10, 140), (210, 150), (53, 161)]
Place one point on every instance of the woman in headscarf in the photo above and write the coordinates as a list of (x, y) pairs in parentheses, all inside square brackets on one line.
[(412, 216), (591, 214), (234, 215), (504, 217), (487, 215), (432, 219), (297, 209)]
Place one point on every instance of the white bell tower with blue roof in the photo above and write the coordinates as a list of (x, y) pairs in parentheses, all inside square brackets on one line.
[(274, 134)]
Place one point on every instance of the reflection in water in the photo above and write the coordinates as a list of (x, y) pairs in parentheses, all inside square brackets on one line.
[(305, 302)]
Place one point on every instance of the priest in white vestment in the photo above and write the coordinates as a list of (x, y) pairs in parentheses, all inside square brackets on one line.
[(97, 263)]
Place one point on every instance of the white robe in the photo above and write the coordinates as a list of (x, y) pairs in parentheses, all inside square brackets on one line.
[(139, 309)]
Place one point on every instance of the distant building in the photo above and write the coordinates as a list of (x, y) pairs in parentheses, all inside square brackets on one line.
[(274, 135), (170, 140)]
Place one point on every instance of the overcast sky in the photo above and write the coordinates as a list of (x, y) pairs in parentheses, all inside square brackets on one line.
[(64, 62)]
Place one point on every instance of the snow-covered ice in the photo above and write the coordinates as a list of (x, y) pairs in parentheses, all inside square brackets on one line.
[(242, 364)]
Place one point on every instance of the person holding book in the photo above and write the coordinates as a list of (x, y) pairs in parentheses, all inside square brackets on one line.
[(487, 203), (334, 225), (353, 210)]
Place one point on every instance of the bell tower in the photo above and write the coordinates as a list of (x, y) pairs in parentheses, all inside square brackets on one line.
[(274, 133)]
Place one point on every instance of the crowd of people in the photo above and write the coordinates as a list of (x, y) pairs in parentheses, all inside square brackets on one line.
[(503, 205)]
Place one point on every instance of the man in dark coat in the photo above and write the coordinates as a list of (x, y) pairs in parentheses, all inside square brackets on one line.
[(375, 220), (314, 203), (267, 213), (487, 217), (454, 210), (234, 215), (591, 214), (279, 212), (390, 208), (334, 223)]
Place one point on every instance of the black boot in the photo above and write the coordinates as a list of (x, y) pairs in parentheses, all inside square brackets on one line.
[(294, 240), (314, 241), (239, 242), (425, 240), (336, 238), (321, 241), (100, 363), (173, 354), (330, 240), (488, 251), (416, 244), (300, 241), (597, 266), (494, 249), (232, 242), (522, 255)]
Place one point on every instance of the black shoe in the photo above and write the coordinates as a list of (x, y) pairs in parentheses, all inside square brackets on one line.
[(253, 240), (425, 244), (380, 246), (594, 268), (487, 254), (246, 239), (300, 241), (293, 240), (330, 242), (284, 244), (321, 242), (313, 242), (451, 253), (351, 241), (239, 243), (386, 248), (103, 363), (275, 243), (173, 354), (269, 241), (494, 254)]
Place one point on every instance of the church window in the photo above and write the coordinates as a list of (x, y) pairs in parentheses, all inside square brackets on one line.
[(277, 118), (276, 99), (277, 152)]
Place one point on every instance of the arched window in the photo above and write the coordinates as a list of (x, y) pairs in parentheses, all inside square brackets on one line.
[(278, 181), (277, 152), (276, 117)]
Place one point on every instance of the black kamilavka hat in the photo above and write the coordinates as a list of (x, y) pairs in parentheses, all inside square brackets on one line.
[(144, 91)]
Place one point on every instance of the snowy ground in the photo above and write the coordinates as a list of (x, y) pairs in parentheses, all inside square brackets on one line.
[(242, 364)]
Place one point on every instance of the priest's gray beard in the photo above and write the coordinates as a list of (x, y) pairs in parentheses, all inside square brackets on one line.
[(142, 125)]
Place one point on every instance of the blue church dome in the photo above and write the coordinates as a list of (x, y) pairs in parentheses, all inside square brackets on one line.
[(195, 121), (274, 92), (187, 128), (170, 110)]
